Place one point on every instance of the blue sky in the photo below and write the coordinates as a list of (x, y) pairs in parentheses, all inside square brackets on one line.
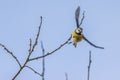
[(19, 21)]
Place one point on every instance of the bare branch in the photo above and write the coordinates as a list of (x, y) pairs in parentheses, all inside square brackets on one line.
[(30, 46), (36, 39), (43, 62), (89, 65), (49, 53), (11, 53), (31, 49), (66, 76), (34, 71), (82, 19)]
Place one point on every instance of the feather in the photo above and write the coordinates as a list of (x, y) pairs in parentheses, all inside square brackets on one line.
[(77, 13), (92, 43)]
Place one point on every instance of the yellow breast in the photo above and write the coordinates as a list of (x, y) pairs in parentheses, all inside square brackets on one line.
[(76, 37)]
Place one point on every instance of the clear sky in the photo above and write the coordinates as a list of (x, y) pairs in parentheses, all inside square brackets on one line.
[(19, 21)]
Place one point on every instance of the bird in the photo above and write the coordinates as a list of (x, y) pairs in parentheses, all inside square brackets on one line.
[(77, 34)]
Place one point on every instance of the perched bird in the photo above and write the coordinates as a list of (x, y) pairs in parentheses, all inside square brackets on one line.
[(77, 34)]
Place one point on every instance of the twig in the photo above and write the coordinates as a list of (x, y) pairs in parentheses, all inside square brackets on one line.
[(49, 53), (36, 39), (89, 65), (34, 70), (30, 46), (43, 65), (11, 53), (82, 18), (66, 76), (85, 37), (30, 51), (23, 66), (43, 62)]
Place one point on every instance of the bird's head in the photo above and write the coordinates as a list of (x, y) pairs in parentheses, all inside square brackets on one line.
[(78, 30)]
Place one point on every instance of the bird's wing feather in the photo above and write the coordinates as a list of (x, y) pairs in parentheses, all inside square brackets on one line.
[(92, 43), (77, 13)]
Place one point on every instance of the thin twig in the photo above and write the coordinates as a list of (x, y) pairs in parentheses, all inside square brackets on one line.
[(30, 52), (36, 39), (85, 37), (49, 53), (66, 76), (30, 46), (23, 66), (11, 53), (34, 70), (89, 66), (43, 62), (82, 18)]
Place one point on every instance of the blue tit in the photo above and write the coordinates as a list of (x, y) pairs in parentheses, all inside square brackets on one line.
[(77, 36), (77, 33)]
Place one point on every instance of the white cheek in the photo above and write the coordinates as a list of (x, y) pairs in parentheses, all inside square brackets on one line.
[(77, 31)]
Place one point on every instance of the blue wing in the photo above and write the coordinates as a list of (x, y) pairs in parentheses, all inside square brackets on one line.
[(77, 13)]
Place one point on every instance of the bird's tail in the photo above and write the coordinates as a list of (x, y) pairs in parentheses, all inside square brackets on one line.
[(75, 44)]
